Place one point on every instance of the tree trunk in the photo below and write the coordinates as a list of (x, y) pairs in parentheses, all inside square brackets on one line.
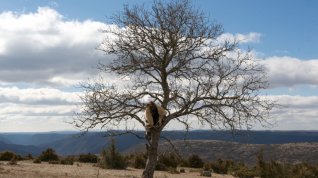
[(152, 151)]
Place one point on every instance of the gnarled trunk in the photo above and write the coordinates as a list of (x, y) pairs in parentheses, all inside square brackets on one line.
[(152, 153)]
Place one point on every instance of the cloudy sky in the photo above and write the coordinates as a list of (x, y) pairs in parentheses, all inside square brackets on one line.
[(47, 47)]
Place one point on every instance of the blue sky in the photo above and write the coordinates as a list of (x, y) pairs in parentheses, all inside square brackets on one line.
[(284, 24), (47, 47)]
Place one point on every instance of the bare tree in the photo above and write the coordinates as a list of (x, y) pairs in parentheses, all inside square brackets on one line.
[(172, 53)]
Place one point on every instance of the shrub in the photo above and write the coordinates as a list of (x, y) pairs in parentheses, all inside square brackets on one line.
[(221, 167), (49, 155), (167, 161), (305, 170), (7, 156), (54, 162), (29, 156), (67, 161), (140, 161), (184, 163), (195, 161), (207, 167), (37, 161), (242, 171), (88, 158), (112, 159), (160, 166), (274, 169), (172, 170), (13, 161)]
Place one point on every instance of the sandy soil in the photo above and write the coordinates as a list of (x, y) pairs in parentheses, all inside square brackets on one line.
[(27, 169)]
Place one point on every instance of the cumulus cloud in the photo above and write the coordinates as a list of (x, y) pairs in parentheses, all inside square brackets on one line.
[(18, 123), (288, 71), (36, 109), (293, 113), (296, 112), (251, 37), (43, 47), (39, 96), (46, 49)]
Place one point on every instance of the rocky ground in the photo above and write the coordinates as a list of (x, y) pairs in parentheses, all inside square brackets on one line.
[(28, 169)]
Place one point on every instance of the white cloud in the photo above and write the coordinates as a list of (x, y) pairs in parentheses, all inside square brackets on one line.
[(288, 71), (39, 96), (294, 113), (35, 123), (45, 48), (40, 109), (251, 37)]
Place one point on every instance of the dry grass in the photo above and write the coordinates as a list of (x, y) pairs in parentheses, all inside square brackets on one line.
[(27, 169)]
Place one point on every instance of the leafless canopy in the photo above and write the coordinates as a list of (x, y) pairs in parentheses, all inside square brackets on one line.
[(174, 54)]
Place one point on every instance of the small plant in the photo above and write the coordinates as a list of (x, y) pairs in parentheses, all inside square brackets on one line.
[(54, 162), (195, 161), (7, 156), (207, 167), (167, 162), (49, 155), (88, 158), (112, 159), (29, 156), (172, 170), (13, 161), (67, 161), (37, 161), (140, 161), (221, 166), (242, 171)]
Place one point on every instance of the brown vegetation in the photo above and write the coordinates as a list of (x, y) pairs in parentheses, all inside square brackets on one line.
[(27, 169), (211, 150)]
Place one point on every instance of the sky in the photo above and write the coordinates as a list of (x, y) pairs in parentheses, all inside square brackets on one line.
[(47, 47)]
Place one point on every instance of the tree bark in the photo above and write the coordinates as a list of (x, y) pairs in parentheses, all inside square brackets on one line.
[(152, 151)]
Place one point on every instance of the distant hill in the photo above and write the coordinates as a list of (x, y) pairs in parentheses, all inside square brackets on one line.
[(73, 143), (20, 149), (251, 137), (36, 139), (4, 140), (92, 142), (212, 150)]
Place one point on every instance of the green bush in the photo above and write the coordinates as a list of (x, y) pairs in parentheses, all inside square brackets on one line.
[(37, 161), (29, 156), (242, 171), (184, 163), (49, 155), (207, 167), (221, 166), (88, 158), (140, 161), (274, 169), (13, 161), (54, 162), (305, 170), (167, 162), (112, 159), (7, 156), (67, 161), (195, 161)]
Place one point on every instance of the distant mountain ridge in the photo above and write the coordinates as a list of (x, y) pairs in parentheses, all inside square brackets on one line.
[(20, 149), (211, 150), (74, 143)]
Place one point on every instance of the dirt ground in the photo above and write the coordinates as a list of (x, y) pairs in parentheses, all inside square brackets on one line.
[(27, 169)]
